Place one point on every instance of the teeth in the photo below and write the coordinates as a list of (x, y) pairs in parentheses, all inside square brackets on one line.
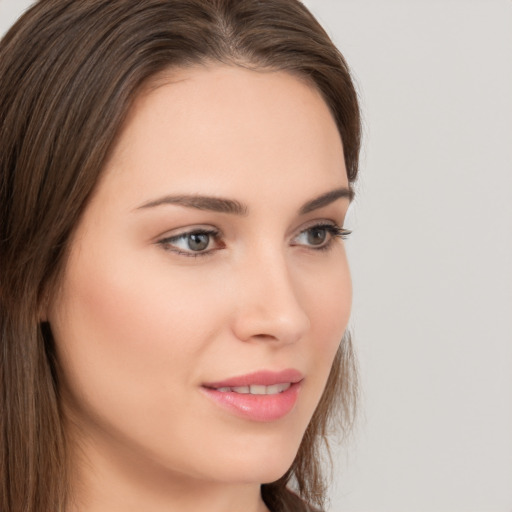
[(241, 389), (277, 388), (257, 389)]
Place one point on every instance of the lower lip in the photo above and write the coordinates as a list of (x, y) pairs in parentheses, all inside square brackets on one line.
[(256, 407)]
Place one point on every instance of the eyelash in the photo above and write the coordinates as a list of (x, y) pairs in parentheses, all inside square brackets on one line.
[(333, 230), (168, 242)]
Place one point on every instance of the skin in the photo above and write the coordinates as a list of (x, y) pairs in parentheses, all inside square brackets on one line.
[(140, 326)]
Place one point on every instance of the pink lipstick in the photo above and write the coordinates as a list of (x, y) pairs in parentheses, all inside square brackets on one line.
[(260, 396)]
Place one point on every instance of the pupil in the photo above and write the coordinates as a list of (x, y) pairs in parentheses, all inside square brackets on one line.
[(198, 241), (316, 236)]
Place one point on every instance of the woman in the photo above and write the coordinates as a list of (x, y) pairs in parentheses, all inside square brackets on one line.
[(174, 180)]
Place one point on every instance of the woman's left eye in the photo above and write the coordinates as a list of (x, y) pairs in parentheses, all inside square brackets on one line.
[(193, 243), (320, 236)]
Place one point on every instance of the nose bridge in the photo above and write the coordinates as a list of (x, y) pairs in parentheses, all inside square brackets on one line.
[(268, 305)]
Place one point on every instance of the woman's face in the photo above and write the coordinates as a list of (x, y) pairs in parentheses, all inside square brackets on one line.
[(209, 258)]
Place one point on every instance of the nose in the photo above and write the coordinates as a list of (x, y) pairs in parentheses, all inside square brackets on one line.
[(267, 302)]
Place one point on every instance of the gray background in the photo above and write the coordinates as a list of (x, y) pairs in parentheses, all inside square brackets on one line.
[(431, 253)]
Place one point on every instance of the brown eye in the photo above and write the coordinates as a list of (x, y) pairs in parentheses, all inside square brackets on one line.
[(316, 235)]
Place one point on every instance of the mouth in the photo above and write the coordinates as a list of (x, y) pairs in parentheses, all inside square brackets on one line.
[(256, 389), (262, 396)]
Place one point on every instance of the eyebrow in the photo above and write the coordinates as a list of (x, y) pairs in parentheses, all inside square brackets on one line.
[(326, 199), (214, 204), (231, 206)]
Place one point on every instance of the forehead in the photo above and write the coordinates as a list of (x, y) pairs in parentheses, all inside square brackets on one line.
[(219, 126)]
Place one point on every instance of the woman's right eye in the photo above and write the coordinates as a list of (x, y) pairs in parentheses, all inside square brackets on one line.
[(199, 242)]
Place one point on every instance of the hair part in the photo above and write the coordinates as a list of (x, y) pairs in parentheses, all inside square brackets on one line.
[(69, 73)]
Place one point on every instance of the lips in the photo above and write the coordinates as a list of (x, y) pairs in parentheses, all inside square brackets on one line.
[(260, 378), (260, 396)]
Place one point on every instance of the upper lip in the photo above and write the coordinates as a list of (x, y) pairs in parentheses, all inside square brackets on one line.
[(261, 378)]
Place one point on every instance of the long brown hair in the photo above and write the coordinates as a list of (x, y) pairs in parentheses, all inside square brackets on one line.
[(69, 72)]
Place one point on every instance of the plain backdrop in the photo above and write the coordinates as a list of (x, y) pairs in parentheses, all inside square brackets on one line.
[(431, 253)]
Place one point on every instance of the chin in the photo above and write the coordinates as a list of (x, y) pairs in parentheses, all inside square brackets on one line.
[(258, 461), (261, 472)]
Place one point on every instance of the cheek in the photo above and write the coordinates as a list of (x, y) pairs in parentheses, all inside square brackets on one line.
[(128, 337), (328, 299), (327, 295), (131, 342)]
